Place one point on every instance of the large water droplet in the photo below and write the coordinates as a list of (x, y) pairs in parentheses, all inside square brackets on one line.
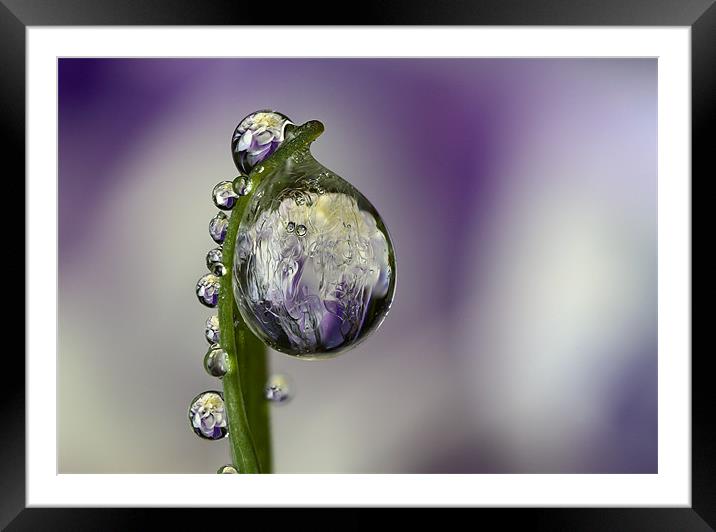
[(256, 137), (207, 416), (216, 361), (224, 196), (207, 290), (218, 226), (228, 469), (312, 278), (212, 332), (278, 389), (215, 262)]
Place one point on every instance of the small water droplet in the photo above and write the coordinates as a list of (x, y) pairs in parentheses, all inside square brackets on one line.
[(207, 290), (301, 230), (227, 469), (278, 389), (216, 361), (215, 262), (257, 136), (224, 195), (290, 226), (218, 226), (207, 416), (242, 185), (212, 330)]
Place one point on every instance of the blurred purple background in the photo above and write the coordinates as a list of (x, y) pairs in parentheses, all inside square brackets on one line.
[(521, 199)]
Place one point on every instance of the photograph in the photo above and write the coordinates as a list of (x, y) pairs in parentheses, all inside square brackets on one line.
[(428, 257), (357, 265)]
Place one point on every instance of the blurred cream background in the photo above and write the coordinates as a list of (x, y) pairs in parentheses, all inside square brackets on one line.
[(521, 198)]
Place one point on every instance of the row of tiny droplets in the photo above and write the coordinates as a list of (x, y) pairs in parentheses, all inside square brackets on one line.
[(207, 415)]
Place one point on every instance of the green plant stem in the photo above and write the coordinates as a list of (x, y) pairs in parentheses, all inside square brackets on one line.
[(246, 407), (233, 341), (253, 370)]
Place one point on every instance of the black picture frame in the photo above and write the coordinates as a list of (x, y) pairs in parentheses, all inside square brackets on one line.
[(16, 15)]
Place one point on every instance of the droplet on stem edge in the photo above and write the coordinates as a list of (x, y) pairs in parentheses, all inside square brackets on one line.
[(242, 185), (207, 290), (224, 196), (216, 361), (228, 469), (215, 262), (212, 332), (256, 137), (207, 416), (218, 226)]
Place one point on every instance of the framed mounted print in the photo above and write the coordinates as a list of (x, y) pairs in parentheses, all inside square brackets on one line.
[(444, 261)]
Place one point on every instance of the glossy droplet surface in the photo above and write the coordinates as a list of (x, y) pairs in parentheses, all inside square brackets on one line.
[(207, 290), (212, 333), (256, 137), (278, 389), (207, 416), (227, 469), (216, 362), (224, 196), (242, 185), (218, 226), (314, 267), (215, 262)]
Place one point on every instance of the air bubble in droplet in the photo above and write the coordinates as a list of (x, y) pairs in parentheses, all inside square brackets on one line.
[(216, 361), (207, 290), (218, 226), (212, 330), (207, 416), (278, 389), (224, 195), (290, 227), (227, 469), (215, 262), (301, 230), (242, 185)]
